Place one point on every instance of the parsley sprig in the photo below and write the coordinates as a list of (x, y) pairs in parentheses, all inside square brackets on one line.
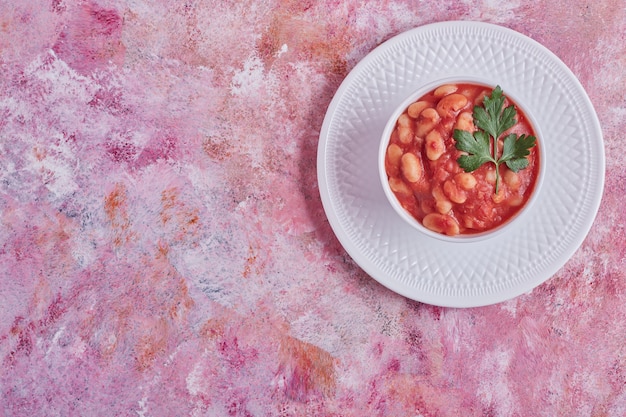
[(482, 146)]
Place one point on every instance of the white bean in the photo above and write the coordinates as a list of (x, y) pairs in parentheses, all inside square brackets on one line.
[(427, 121), (442, 204), (511, 179), (405, 134), (445, 89), (411, 167), (465, 180), (416, 108), (404, 120), (426, 206), (455, 194), (435, 147), (398, 186), (450, 104), (465, 121), (441, 223), (394, 153)]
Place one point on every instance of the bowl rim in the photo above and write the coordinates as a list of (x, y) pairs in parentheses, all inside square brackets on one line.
[(404, 214)]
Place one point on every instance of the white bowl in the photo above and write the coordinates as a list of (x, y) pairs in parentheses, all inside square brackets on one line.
[(404, 214)]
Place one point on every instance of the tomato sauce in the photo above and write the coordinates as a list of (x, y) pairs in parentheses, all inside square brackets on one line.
[(423, 172)]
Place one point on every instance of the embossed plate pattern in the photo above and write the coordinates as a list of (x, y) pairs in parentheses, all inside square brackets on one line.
[(461, 274)]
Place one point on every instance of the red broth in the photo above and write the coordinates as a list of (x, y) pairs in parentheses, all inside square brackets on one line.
[(423, 173)]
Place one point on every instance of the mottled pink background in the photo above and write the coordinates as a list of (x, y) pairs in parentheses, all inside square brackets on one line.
[(164, 251)]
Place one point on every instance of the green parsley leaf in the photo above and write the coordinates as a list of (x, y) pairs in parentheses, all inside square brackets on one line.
[(515, 151), (492, 121), (477, 146), (491, 118)]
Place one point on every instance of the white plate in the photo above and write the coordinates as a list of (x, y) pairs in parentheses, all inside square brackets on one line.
[(474, 273)]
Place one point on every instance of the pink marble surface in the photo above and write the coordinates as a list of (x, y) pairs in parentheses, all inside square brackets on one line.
[(164, 251)]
